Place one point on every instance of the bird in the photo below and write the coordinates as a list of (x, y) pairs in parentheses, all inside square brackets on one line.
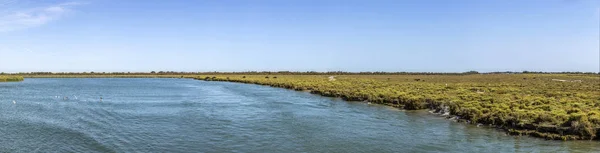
[(14, 102)]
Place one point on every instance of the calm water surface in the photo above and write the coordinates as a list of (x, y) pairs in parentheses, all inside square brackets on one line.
[(181, 115)]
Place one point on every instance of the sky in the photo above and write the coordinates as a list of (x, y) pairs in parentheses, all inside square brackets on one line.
[(299, 35)]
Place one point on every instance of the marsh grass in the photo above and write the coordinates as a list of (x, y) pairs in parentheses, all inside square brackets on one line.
[(522, 104), (552, 106), (10, 78)]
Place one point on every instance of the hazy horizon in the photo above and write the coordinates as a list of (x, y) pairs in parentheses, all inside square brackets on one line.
[(96, 72), (299, 35)]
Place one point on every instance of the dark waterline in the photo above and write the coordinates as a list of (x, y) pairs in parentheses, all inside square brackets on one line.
[(182, 115)]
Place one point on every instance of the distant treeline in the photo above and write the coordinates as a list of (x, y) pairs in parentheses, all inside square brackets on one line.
[(288, 73)]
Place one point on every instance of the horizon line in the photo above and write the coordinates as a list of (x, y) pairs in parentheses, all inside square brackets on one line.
[(349, 72)]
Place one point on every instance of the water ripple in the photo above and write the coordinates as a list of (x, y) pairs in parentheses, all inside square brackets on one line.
[(181, 115)]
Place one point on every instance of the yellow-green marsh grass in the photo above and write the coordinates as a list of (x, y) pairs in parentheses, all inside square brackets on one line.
[(10, 78), (552, 106)]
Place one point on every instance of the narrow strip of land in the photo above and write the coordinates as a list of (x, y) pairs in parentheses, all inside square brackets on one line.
[(10, 78)]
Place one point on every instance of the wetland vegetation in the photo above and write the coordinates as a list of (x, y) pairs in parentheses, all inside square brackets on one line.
[(10, 78), (558, 106), (551, 106)]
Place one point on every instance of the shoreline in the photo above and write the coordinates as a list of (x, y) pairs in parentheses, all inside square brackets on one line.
[(4, 78), (426, 102), (436, 107)]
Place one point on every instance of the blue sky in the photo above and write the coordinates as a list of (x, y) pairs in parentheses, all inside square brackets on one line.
[(299, 35)]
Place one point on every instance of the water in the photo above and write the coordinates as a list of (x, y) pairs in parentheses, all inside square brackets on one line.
[(182, 115)]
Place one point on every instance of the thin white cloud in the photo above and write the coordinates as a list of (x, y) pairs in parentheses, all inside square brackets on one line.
[(32, 17)]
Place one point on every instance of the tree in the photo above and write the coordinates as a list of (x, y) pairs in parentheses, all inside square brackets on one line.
[(153, 72), (471, 72)]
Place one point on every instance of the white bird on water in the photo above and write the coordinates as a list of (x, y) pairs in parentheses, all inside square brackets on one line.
[(14, 102)]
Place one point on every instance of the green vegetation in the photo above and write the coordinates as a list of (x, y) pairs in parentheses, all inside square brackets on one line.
[(552, 106), (559, 106), (11, 78)]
